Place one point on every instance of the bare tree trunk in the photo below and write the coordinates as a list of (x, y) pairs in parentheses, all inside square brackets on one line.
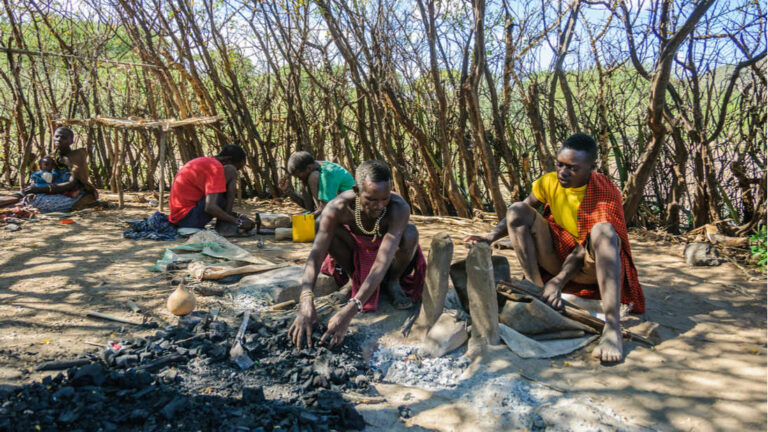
[(475, 119), (633, 191)]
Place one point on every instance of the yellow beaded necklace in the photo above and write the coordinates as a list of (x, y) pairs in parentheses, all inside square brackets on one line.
[(359, 221)]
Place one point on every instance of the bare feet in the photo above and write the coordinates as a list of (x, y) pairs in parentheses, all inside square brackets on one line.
[(396, 294), (610, 348)]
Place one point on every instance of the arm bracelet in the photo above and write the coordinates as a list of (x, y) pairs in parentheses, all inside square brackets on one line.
[(357, 303)]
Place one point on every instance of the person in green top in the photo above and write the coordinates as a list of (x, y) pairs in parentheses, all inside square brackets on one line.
[(321, 181)]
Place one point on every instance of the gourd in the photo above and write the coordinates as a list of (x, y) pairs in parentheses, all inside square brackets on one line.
[(181, 301)]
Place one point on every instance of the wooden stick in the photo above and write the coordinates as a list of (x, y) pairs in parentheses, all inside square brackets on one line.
[(110, 318), (161, 362), (134, 307), (61, 365), (571, 310), (162, 171), (284, 305)]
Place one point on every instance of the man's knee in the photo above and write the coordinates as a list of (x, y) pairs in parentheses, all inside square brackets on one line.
[(604, 235), (520, 214), (410, 236)]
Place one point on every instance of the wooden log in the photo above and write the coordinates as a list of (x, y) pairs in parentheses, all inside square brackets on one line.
[(571, 311), (283, 306), (162, 171), (62, 365), (161, 362)]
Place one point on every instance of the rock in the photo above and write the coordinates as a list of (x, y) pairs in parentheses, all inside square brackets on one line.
[(447, 334), (126, 360), (253, 395), (404, 412), (12, 227), (701, 254), (362, 382), (138, 415), (275, 220), (92, 374), (281, 285), (173, 407), (64, 393)]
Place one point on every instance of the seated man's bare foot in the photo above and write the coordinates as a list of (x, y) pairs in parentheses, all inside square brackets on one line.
[(610, 348), (396, 294)]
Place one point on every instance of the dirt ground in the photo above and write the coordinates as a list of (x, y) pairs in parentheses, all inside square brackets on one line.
[(706, 373)]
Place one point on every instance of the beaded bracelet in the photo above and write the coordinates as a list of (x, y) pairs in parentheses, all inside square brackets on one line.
[(307, 293), (357, 303)]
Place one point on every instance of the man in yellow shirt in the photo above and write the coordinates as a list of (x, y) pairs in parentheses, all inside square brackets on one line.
[(581, 238)]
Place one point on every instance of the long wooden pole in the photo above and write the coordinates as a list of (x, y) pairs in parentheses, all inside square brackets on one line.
[(162, 170)]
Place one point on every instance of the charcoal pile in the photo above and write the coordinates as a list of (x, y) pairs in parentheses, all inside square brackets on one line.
[(183, 377)]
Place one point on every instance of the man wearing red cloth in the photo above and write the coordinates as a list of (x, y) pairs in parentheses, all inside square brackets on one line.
[(580, 243), (205, 187), (364, 233)]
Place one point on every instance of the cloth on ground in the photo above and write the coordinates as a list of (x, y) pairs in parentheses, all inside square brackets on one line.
[(155, 227), (526, 318), (364, 254), (526, 347), (18, 212), (206, 246), (49, 203), (601, 203)]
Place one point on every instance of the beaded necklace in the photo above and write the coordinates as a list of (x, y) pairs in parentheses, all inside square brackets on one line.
[(359, 221)]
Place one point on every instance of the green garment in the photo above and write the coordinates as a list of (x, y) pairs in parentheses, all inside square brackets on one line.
[(334, 179)]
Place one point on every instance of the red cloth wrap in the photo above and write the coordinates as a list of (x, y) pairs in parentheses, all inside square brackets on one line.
[(602, 203), (363, 255)]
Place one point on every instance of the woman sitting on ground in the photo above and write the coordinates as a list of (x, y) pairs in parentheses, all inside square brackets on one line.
[(75, 193)]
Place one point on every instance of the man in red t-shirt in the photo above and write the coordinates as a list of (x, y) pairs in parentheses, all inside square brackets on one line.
[(204, 188)]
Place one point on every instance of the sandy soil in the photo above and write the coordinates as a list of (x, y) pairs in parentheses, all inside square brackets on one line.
[(707, 372)]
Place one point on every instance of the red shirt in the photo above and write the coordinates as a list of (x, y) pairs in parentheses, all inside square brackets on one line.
[(196, 179)]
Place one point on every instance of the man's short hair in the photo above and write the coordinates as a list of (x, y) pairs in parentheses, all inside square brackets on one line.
[(374, 170), (299, 161), (67, 131), (235, 153), (582, 142)]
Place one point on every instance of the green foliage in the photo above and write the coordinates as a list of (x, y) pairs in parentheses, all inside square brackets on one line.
[(758, 246)]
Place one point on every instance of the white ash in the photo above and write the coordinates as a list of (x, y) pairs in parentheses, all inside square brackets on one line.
[(401, 365), (243, 300)]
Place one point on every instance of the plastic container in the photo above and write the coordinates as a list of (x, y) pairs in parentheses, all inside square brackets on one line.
[(303, 228)]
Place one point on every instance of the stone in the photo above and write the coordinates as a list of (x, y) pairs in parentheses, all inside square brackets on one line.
[(701, 254), (12, 227), (253, 395), (91, 374), (65, 392), (275, 220), (447, 334), (281, 285), (126, 360), (173, 407)]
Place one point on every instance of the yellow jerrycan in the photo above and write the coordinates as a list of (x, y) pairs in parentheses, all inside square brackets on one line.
[(303, 227)]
